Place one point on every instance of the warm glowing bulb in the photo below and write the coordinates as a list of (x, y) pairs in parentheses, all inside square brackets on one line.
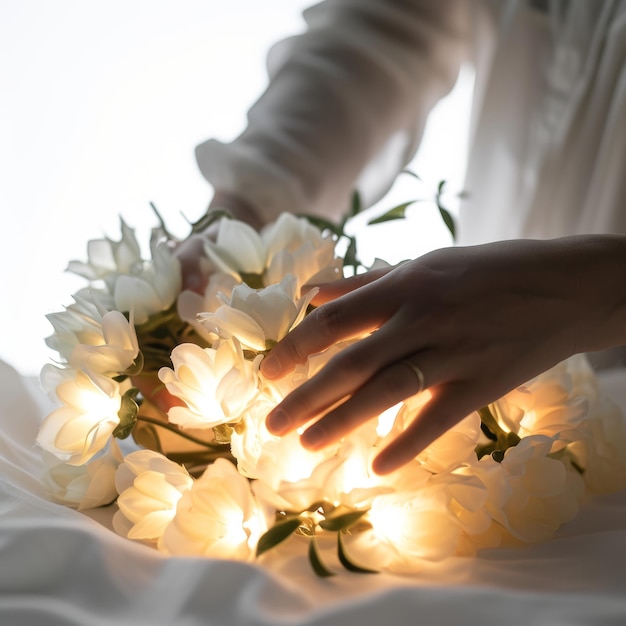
[(392, 518)]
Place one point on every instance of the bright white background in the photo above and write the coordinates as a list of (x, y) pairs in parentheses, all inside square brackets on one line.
[(101, 106)]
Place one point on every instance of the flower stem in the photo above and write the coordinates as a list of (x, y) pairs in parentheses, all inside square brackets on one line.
[(180, 433)]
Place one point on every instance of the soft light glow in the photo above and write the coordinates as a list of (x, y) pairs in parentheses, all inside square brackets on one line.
[(386, 420), (391, 519)]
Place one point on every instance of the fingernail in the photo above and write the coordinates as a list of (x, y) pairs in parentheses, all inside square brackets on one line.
[(270, 366), (313, 438), (278, 422)]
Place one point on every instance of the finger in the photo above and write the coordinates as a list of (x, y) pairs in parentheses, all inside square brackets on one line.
[(347, 317), (388, 387), (338, 288), (448, 405), (348, 373), (352, 369)]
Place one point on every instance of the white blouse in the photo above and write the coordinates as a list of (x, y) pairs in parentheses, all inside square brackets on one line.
[(548, 146)]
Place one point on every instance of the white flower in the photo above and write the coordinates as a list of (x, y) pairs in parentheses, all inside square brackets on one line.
[(600, 449), (452, 449), (80, 428), (455, 447), (468, 497), (256, 317), (264, 456), (115, 351), (300, 495), (52, 376), (136, 285), (530, 493), (84, 486), (81, 322), (216, 385), (150, 486), (238, 249), (218, 290), (553, 404), (289, 246), (152, 287), (295, 247), (407, 529), (108, 258), (218, 517)]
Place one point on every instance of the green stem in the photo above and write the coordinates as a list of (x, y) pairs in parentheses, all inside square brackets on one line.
[(180, 433)]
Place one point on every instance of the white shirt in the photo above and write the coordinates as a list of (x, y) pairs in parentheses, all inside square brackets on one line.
[(548, 148)]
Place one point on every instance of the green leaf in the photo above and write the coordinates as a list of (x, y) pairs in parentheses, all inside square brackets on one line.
[(487, 418), (254, 281), (347, 562), (448, 220), (210, 217), (316, 560), (162, 223), (127, 414), (222, 433), (410, 173), (579, 468), (323, 224), (356, 206), (397, 213), (341, 522), (498, 455), (276, 534), (136, 366)]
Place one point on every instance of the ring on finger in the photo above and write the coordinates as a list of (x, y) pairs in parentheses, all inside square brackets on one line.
[(418, 373)]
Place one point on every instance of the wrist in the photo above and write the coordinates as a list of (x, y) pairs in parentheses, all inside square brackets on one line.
[(600, 282), (239, 208)]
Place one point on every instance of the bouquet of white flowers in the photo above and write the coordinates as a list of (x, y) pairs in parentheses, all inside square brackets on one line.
[(207, 478)]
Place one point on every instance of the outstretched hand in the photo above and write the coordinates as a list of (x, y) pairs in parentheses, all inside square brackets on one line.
[(475, 322)]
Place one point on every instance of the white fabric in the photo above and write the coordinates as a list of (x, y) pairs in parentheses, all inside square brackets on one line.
[(59, 567)]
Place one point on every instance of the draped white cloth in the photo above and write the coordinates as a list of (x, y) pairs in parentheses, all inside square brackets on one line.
[(61, 567)]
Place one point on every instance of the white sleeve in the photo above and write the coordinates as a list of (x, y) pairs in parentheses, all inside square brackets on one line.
[(353, 90)]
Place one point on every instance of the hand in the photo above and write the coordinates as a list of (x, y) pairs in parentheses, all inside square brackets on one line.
[(475, 321)]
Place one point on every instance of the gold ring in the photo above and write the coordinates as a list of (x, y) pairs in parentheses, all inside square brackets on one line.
[(417, 371)]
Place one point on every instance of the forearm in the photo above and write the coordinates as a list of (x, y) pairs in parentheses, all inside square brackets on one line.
[(363, 73)]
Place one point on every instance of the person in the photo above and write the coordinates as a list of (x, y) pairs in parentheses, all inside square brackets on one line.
[(537, 273)]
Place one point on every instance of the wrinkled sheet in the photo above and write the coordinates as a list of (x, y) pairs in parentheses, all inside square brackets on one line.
[(58, 566)]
